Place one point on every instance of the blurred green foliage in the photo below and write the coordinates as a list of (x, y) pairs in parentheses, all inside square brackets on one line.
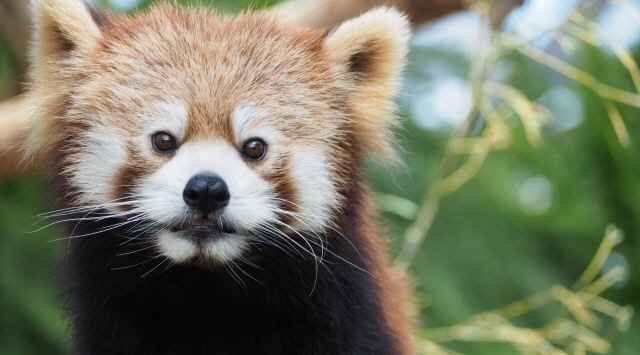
[(483, 250)]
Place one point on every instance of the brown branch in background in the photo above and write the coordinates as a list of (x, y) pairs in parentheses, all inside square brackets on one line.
[(15, 28), (328, 13), (500, 9)]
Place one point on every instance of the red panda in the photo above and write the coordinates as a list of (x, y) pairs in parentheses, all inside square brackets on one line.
[(209, 171)]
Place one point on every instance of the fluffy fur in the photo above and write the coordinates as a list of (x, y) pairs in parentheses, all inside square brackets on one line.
[(297, 265)]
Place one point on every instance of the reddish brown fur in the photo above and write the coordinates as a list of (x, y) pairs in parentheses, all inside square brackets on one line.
[(396, 296)]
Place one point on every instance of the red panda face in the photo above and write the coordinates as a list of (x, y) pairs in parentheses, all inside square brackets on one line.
[(210, 194), (207, 150), (208, 135)]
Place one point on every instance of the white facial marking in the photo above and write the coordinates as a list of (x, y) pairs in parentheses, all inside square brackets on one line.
[(182, 250), (243, 117), (225, 249), (316, 191), (251, 202), (102, 155), (248, 123), (169, 116), (178, 249), (103, 151)]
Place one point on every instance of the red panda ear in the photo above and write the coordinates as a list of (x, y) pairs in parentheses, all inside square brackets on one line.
[(63, 28), (65, 33), (369, 52)]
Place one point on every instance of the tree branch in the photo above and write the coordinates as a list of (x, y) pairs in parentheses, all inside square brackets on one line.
[(328, 13), (15, 26)]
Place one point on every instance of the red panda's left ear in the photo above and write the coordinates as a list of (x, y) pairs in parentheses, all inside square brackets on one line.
[(369, 52), (63, 29)]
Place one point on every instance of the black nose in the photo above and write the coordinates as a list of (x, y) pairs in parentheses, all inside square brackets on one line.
[(206, 193)]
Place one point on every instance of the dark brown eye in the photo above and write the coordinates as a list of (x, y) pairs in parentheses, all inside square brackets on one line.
[(254, 149), (163, 142)]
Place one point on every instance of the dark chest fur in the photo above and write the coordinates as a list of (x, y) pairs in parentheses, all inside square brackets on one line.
[(276, 303)]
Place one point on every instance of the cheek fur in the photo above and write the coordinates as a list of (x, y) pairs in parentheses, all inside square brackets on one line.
[(280, 178), (316, 195), (141, 163), (98, 161)]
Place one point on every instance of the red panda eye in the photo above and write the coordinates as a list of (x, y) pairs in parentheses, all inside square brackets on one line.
[(254, 149), (163, 142)]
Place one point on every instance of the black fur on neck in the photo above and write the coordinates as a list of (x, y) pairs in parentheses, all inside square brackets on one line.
[(286, 307)]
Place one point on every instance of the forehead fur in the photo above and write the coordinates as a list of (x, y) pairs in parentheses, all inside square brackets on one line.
[(213, 64)]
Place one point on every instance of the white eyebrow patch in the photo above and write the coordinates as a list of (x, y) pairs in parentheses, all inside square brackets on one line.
[(249, 122), (177, 112), (244, 116), (169, 115)]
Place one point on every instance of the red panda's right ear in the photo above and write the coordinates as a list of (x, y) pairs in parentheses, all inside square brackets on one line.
[(63, 29), (64, 35)]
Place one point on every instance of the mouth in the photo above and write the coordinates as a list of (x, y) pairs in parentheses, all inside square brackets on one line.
[(203, 227), (203, 241)]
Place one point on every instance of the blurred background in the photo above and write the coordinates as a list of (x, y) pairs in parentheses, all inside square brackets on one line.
[(516, 212)]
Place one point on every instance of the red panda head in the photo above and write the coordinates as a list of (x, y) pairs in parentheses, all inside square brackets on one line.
[(201, 130)]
